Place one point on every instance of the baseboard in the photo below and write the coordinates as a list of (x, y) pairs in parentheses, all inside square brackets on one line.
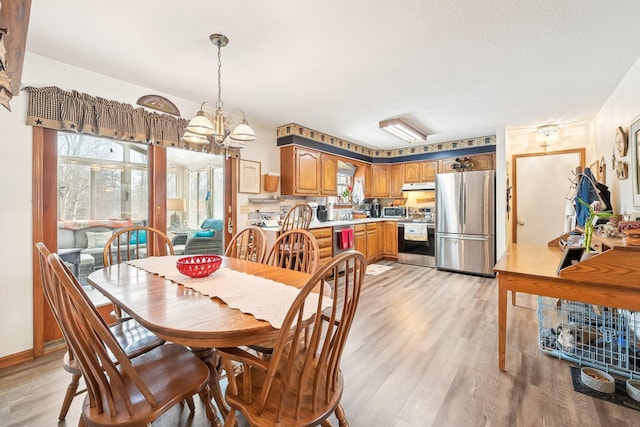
[(16, 358)]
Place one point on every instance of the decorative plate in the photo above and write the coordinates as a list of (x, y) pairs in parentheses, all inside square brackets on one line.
[(159, 103), (622, 143)]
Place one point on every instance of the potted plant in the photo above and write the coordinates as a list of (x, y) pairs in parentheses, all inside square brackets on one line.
[(590, 223)]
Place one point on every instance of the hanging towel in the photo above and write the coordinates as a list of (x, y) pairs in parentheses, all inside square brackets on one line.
[(357, 195), (350, 238), (344, 238)]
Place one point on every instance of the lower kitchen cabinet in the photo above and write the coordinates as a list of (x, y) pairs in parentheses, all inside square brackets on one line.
[(360, 239), (373, 246), (324, 236), (390, 239)]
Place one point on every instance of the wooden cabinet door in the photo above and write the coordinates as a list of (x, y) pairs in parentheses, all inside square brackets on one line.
[(390, 238), (428, 170), (380, 180), (307, 172), (360, 238), (412, 172), (368, 184), (396, 180), (483, 162), (373, 246), (329, 173), (324, 237)]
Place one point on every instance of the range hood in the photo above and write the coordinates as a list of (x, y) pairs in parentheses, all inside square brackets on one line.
[(419, 186)]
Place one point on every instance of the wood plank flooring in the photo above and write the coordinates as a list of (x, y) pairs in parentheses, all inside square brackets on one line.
[(422, 352)]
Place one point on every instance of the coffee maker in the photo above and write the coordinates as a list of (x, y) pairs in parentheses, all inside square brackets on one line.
[(375, 209), (322, 213)]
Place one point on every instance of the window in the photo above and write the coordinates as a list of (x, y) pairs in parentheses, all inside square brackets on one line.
[(100, 178)]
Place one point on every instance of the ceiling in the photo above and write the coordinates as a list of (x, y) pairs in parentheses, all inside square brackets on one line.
[(455, 69)]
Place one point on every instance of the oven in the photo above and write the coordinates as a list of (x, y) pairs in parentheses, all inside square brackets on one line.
[(417, 243)]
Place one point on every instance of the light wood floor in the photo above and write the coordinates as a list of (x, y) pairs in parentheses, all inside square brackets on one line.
[(422, 352)]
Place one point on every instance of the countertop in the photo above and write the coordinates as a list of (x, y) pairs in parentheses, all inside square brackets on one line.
[(339, 223)]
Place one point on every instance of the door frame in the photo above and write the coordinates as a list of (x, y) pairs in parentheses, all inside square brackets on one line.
[(514, 176)]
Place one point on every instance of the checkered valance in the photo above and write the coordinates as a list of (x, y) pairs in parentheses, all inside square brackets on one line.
[(54, 108)]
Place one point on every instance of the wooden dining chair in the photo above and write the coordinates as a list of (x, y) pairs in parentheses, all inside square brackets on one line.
[(301, 383), (132, 337), (123, 391), (134, 243), (299, 216), (249, 244), (295, 249)]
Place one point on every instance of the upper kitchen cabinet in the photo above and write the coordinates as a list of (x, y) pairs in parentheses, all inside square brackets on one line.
[(396, 179), (300, 171), (329, 171), (380, 180), (420, 171), (479, 161)]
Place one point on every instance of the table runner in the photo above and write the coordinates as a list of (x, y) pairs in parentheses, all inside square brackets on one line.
[(265, 299)]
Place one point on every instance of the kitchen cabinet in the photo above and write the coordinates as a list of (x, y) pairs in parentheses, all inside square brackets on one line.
[(428, 170), (420, 171), (368, 183), (324, 237), (299, 171), (396, 179), (360, 238), (373, 246), (329, 171), (480, 162), (390, 239), (380, 180)]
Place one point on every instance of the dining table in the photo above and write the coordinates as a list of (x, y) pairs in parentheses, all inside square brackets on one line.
[(166, 303)]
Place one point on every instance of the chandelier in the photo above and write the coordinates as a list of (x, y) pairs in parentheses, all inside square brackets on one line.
[(216, 127)]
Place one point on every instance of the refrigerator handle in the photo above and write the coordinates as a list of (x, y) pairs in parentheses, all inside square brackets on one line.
[(460, 200), (464, 201)]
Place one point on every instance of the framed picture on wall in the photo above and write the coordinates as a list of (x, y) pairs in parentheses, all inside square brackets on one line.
[(248, 176), (634, 163)]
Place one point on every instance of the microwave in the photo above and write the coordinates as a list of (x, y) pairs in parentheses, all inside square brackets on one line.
[(394, 212)]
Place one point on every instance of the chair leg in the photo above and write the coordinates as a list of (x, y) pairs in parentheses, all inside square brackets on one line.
[(230, 420), (341, 416), (205, 396), (69, 395), (190, 404)]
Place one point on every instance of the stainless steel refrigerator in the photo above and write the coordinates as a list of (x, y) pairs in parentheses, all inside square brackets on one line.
[(465, 222)]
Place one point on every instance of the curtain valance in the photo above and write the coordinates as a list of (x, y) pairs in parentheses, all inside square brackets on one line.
[(53, 108)]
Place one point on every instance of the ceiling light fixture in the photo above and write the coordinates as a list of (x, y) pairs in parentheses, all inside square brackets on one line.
[(217, 125), (547, 130), (403, 130)]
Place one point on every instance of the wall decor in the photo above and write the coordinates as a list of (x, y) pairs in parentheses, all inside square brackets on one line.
[(248, 177), (634, 164), (622, 170), (622, 142), (159, 103), (14, 22)]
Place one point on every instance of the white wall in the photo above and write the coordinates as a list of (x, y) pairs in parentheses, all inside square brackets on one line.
[(16, 307), (621, 109)]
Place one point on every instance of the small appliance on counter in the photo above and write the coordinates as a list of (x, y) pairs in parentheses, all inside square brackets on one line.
[(375, 209), (314, 206), (330, 216), (394, 212), (322, 213)]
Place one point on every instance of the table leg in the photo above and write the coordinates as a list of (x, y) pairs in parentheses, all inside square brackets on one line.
[(502, 324), (208, 356)]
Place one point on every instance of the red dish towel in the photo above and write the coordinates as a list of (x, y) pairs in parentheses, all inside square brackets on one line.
[(344, 238), (350, 238)]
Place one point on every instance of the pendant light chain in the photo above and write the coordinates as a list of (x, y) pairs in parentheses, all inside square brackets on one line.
[(219, 103)]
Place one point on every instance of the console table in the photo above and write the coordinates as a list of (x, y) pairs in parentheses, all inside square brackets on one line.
[(72, 256), (610, 278)]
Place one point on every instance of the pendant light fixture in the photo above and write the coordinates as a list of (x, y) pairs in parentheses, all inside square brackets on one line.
[(205, 126)]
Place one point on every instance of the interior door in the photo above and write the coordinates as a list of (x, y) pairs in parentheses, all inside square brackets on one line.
[(542, 184)]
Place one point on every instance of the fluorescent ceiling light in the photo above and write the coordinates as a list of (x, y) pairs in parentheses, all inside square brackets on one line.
[(403, 130)]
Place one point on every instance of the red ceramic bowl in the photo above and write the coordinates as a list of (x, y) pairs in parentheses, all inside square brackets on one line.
[(199, 265)]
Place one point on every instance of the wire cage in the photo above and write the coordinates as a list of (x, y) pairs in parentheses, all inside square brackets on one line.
[(606, 338)]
